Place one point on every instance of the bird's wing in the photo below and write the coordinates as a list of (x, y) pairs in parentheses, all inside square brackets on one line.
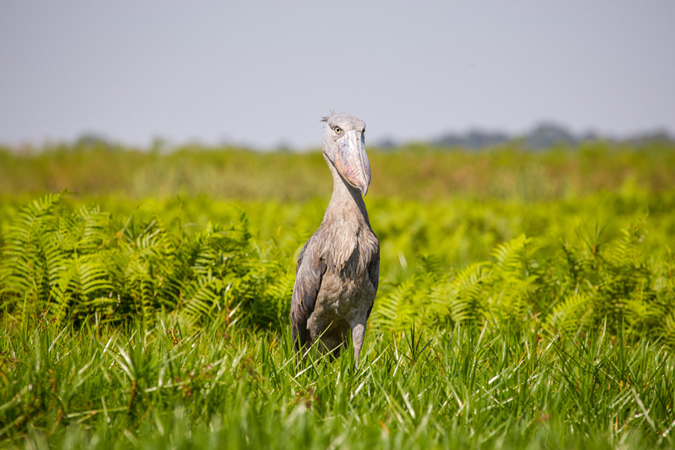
[(374, 272), (309, 274)]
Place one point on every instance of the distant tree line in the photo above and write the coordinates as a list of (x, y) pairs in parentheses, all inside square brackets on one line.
[(542, 136)]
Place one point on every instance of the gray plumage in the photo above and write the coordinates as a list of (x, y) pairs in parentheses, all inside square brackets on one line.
[(339, 267)]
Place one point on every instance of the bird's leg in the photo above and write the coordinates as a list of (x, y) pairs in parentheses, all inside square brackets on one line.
[(358, 333)]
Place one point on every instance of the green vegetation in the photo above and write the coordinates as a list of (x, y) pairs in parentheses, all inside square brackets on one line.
[(416, 172), (526, 299), (100, 387)]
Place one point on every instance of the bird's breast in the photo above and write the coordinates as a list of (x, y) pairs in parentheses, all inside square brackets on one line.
[(349, 252), (346, 289)]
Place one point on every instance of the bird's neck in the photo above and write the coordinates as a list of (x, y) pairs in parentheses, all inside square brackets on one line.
[(346, 203)]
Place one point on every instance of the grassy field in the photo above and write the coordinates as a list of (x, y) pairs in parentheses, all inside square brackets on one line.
[(156, 387), (416, 172), (527, 300)]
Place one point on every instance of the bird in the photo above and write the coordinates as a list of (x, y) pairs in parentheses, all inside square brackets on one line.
[(338, 269)]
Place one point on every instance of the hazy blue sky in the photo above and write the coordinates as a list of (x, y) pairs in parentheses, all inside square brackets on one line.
[(263, 72)]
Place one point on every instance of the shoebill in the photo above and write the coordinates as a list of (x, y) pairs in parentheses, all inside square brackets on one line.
[(339, 266)]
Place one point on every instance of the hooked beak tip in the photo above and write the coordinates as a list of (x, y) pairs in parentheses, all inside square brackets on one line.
[(364, 190)]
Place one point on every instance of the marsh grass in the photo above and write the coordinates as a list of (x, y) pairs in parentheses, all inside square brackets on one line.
[(526, 301), (139, 387), (412, 172)]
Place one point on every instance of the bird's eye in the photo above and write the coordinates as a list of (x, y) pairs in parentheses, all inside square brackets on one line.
[(337, 130), (364, 131)]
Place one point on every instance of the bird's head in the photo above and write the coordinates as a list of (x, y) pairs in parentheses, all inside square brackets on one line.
[(345, 148)]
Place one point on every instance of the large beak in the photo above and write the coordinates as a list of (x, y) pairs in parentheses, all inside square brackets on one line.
[(352, 160)]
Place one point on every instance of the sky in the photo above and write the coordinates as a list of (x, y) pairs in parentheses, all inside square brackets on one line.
[(262, 73)]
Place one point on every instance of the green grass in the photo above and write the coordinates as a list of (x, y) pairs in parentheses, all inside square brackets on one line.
[(527, 300), (416, 172), (140, 387)]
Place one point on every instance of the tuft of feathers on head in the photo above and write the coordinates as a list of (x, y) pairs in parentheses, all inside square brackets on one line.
[(325, 118)]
